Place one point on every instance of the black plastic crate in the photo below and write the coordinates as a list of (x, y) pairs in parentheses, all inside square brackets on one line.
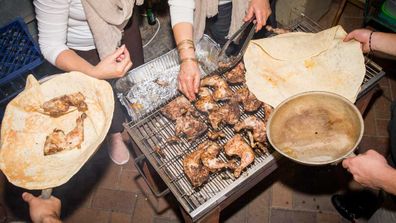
[(19, 54)]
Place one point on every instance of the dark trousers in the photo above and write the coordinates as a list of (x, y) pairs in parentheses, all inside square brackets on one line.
[(218, 26), (133, 43)]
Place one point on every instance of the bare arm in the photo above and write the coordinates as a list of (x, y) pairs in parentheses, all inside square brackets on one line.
[(382, 42), (43, 210), (371, 169)]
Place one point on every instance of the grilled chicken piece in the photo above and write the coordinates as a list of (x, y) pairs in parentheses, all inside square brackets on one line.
[(221, 89), (195, 171), (209, 157), (255, 124), (216, 135), (236, 75), (248, 99), (205, 103), (190, 127), (60, 105), (57, 141), (177, 108), (237, 146), (267, 111), (276, 30), (228, 113)]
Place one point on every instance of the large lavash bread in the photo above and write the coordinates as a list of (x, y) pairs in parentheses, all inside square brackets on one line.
[(291, 63), (24, 130)]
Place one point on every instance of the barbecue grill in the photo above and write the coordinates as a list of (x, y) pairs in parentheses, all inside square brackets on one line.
[(152, 130)]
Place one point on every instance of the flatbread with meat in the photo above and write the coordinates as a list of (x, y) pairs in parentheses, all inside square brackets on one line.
[(24, 130), (291, 63)]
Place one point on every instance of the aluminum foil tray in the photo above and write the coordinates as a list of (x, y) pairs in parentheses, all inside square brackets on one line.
[(149, 86)]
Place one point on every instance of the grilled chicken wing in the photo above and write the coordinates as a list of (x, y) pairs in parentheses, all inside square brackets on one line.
[(190, 127), (209, 157), (228, 113), (205, 103), (195, 171), (221, 89), (236, 75), (60, 105), (57, 141), (237, 146), (177, 108), (248, 99), (267, 110), (255, 124)]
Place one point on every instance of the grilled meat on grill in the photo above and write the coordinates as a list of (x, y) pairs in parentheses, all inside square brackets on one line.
[(267, 110), (195, 171), (205, 103), (190, 127), (216, 134), (221, 89), (60, 105), (237, 146), (255, 124), (248, 99), (57, 141), (209, 157), (236, 75), (177, 108), (228, 113)]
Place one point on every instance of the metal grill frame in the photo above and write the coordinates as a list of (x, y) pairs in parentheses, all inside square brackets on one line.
[(265, 163)]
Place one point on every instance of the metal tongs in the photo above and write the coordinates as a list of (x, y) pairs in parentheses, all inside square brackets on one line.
[(228, 57)]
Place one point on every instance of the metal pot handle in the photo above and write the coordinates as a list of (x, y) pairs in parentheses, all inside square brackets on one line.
[(138, 162)]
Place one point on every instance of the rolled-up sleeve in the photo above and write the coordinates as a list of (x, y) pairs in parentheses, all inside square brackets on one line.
[(52, 19), (181, 11)]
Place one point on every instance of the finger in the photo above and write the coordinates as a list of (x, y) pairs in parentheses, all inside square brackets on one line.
[(349, 36), (196, 83), (28, 197), (118, 52), (345, 164), (249, 14), (127, 67), (190, 89), (259, 18)]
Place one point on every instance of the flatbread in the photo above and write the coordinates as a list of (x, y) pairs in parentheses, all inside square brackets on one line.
[(292, 63), (24, 130)]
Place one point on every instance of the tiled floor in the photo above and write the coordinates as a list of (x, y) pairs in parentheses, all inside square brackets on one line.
[(104, 192)]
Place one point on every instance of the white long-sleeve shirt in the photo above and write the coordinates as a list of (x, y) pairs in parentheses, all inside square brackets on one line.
[(62, 25), (183, 10)]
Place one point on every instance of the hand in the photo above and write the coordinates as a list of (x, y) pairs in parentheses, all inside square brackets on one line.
[(362, 36), (41, 210), (367, 168), (188, 79), (261, 9), (115, 65)]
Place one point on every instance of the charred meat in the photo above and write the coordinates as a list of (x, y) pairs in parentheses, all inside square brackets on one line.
[(57, 141), (209, 157), (177, 108), (205, 103), (267, 111), (236, 75), (221, 89), (248, 99), (216, 135), (190, 127), (255, 124), (228, 113), (195, 171), (60, 105), (237, 146)]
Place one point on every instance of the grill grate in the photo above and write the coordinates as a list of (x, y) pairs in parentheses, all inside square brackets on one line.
[(153, 131)]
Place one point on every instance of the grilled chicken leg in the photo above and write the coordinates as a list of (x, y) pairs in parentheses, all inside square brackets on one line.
[(255, 124), (237, 146), (177, 108), (205, 103), (228, 113), (209, 157), (189, 126), (60, 105), (236, 75), (193, 168), (222, 90), (248, 99)]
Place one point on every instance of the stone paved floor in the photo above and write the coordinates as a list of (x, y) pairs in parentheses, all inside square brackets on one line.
[(104, 192)]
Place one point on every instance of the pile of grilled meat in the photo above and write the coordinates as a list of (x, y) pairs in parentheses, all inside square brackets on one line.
[(214, 89)]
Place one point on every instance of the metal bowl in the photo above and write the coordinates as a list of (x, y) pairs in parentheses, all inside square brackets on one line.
[(315, 128)]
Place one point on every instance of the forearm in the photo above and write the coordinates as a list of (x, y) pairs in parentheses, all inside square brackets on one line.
[(184, 31), (68, 60), (384, 42), (388, 180)]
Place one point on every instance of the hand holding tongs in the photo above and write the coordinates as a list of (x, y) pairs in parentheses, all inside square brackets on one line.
[(232, 60)]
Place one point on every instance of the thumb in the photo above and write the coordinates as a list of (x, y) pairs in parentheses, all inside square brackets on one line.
[(118, 52), (28, 197), (349, 37)]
